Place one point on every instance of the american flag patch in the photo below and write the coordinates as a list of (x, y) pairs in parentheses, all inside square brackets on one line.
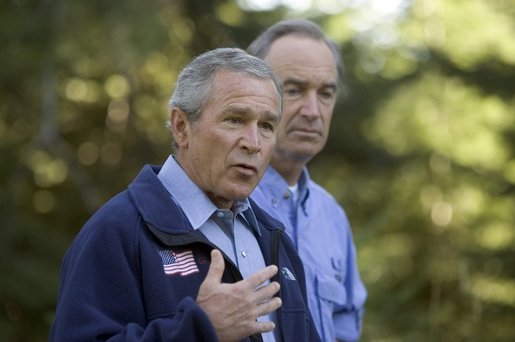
[(178, 263)]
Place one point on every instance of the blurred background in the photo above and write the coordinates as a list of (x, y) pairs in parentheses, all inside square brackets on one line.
[(421, 153)]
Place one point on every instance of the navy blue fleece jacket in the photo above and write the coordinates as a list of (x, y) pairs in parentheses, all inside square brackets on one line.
[(113, 284)]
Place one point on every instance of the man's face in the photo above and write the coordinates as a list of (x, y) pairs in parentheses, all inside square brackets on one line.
[(307, 69), (228, 149)]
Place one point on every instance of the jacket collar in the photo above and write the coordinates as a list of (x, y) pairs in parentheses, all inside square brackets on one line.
[(160, 211), (155, 205)]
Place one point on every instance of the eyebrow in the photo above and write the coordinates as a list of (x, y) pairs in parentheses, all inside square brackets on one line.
[(244, 111), (297, 82)]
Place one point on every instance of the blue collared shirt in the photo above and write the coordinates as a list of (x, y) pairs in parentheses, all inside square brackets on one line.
[(321, 233), (232, 231)]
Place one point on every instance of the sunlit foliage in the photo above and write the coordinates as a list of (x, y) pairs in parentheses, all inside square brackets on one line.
[(421, 153)]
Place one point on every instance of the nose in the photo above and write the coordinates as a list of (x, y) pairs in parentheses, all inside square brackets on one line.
[(251, 139), (310, 106)]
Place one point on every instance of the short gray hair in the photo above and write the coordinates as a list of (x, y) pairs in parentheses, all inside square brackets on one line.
[(300, 27), (192, 88)]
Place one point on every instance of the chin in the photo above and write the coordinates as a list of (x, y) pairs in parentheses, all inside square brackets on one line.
[(242, 193)]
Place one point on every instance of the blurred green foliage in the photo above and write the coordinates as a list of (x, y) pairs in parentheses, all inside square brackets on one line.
[(421, 153)]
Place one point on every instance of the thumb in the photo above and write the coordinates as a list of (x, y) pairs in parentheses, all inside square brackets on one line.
[(216, 268)]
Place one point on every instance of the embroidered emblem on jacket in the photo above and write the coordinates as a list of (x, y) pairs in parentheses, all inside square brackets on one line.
[(178, 263), (287, 273)]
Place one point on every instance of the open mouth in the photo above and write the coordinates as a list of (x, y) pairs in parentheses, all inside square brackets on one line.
[(246, 169)]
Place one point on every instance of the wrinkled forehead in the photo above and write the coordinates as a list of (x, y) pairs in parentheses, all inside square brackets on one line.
[(230, 87), (302, 59), (296, 47), (227, 78)]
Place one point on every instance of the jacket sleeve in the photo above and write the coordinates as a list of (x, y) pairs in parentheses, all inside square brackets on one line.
[(102, 296)]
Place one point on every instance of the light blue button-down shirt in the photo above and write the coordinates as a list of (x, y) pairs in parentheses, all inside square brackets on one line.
[(232, 231), (319, 228)]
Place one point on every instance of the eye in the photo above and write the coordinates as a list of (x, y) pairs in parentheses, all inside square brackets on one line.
[(234, 120), (327, 95), (267, 126), (292, 92)]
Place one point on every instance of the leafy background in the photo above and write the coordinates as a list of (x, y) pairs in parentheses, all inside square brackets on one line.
[(421, 153)]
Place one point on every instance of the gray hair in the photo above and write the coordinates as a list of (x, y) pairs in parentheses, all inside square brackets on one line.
[(300, 27), (192, 88)]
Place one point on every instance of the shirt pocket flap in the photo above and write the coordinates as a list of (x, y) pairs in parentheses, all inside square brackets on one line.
[(331, 290)]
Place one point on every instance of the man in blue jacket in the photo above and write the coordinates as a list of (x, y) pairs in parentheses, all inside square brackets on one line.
[(183, 254), (310, 68)]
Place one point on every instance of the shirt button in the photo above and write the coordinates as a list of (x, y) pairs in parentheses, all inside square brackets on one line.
[(220, 214), (243, 254)]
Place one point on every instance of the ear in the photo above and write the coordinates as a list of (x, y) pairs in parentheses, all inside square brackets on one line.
[(180, 127)]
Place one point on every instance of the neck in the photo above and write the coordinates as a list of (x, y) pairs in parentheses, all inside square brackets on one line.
[(221, 203), (290, 171)]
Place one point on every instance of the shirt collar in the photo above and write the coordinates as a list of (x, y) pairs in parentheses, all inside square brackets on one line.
[(195, 204), (278, 186)]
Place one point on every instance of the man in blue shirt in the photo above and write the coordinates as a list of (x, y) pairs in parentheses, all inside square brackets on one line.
[(183, 254), (310, 68)]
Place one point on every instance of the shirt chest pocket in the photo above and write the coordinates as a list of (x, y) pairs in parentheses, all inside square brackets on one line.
[(330, 290)]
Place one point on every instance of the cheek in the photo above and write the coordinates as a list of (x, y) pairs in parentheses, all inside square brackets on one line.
[(289, 112), (283, 126), (267, 149), (327, 116)]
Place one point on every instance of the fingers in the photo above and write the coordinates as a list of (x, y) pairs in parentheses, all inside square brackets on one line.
[(216, 268), (268, 307), (254, 290), (233, 308), (260, 277), (265, 300), (267, 292), (263, 327)]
